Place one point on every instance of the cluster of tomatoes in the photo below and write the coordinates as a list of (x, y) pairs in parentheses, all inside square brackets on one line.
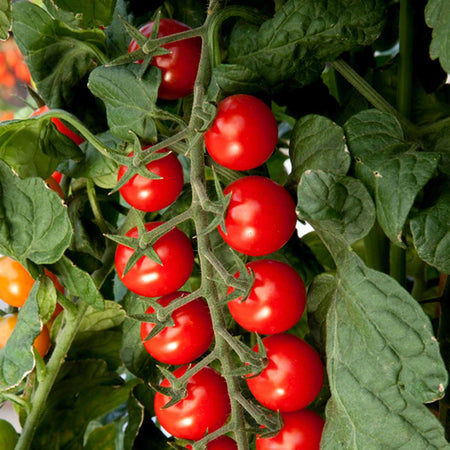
[(12, 65), (259, 220)]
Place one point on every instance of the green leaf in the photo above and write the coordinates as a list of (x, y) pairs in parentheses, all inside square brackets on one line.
[(233, 78), (134, 355), (135, 419), (16, 357), (79, 283), (302, 36), (46, 298), (341, 205), (5, 18), (102, 437), (112, 316), (59, 57), (431, 233), (383, 361), (91, 14), (129, 98), (83, 391), (318, 143), (438, 18), (34, 223), (394, 169), (34, 147)]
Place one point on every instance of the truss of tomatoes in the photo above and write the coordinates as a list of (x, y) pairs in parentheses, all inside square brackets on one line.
[(259, 220)]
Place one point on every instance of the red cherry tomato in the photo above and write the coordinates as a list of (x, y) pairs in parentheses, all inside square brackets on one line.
[(150, 195), (221, 443), (57, 176), (7, 325), (59, 125), (260, 218), (244, 133), (54, 186), (205, 408), (302, 430), (276, 301), (147, 277), (179, 67), (292, 379), (15, 282), (188, 339)]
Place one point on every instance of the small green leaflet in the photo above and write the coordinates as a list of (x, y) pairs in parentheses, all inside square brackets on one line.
[(130, 99), (5, 19), (437, 17), (34, 223)]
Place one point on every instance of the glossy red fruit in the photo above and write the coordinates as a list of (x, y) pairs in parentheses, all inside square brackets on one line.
[(205, 408), (150, 195), (59, 125), (260, 217), (302, 430), (179, 67), (293, 377), (188, 339), (149, 278), (244, 133), (220, 443), (276, 301)]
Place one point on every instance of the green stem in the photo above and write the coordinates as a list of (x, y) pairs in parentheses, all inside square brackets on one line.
[(151, 45), (63, 343), (99, 220), (397, 264), (376, 246), (204, 243), (371, 95)]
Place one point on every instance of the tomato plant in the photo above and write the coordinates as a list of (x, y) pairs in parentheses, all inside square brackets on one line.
[(282, 164), (179, 66), (151, 195), (276, 301), (151, 278), (260, 217), (301, 430), (244, 133), (293, 376), (206, 406), (187, 339)]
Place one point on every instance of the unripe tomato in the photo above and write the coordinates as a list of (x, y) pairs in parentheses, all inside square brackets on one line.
[(302, 430), (179, 67), (150, 195), (149, 278), (276, 301), (205, 408), (188, 339), (8, 435), (260, 217), (59, 125), (7, 324), (244, 133), (293, 377), (15, 282)]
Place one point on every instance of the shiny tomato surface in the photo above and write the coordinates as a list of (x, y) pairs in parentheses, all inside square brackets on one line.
[(15, 282), (179, 67), (205, 408)]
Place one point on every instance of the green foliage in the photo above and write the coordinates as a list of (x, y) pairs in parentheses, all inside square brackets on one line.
[(5, 18), (436, 15)]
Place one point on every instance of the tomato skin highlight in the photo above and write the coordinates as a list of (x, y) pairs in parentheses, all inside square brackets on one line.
[(260, 217), (179, 67), (150, 195), (147, 277), (205, 408), (15, 282), (220, 443), (59, 125), (302, 430), (188, 339), (293, 377), (244, 133), (277, 299), (7, 325)]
